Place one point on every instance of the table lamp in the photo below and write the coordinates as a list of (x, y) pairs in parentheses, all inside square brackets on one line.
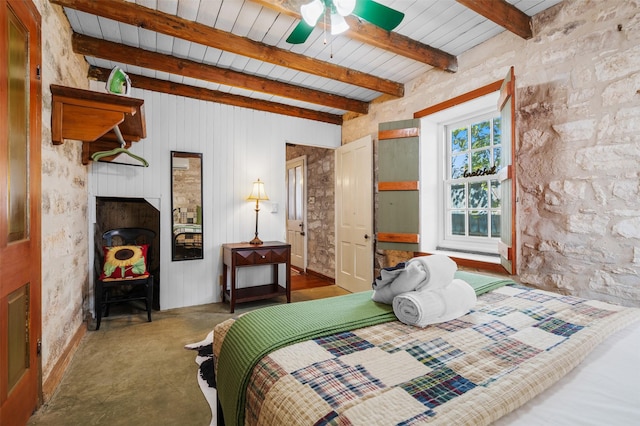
[(257, 194)]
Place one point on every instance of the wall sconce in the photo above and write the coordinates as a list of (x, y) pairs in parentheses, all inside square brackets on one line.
[(257, 194)]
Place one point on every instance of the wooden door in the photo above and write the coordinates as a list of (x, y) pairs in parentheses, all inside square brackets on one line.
[(20, 275), (296, 211), (398, 220), (507, 174), (354, 215)]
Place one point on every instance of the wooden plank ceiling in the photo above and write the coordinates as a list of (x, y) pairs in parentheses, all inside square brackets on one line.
[(235, 51)]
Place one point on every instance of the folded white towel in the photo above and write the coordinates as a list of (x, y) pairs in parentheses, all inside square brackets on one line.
[(431, 306), (439, 270), (387, 275), (420, 272), (409, 279)]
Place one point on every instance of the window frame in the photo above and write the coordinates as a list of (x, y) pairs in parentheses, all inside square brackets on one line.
[(433, 168), (446, 239)]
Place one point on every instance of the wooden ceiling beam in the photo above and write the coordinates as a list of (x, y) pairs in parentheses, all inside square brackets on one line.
[(504, 14), (143, 58), (178, 89), (401, 45), (153, 20), (370, 34)]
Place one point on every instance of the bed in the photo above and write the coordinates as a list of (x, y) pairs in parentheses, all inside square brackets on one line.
[(187, 240), (187, 235), (187, 229), (348, 361)]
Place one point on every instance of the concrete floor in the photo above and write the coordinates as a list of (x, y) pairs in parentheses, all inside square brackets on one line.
[(132, 372)]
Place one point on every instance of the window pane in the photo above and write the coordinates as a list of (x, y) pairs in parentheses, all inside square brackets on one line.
[(480, 160), (478, 195), (480, 134), (459, 165), (291, 194), (458, 199), (459, 139), (18, 124), (495, 223), (495, 194), (458, 226), (299, 188), (472, 194), (478, 226)]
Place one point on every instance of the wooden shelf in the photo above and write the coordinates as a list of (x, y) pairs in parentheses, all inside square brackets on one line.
[(90, 117), (259, 292)]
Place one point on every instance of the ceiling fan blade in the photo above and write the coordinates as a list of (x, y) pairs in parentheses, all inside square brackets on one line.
[(300, 33), (378, 14)]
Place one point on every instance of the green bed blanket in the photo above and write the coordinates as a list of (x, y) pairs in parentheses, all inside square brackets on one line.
[(482, 283), (262, 331)]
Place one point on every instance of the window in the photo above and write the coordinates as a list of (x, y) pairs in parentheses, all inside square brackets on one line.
[(468, 176), (471, 202), (460, 193)]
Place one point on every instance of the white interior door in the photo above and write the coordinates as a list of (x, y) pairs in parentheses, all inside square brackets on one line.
[(354, 215), (296, 211)]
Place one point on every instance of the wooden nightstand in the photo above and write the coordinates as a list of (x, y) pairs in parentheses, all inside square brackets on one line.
[(244, 254)]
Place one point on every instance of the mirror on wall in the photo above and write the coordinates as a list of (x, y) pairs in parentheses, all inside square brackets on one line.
[(186, 205)]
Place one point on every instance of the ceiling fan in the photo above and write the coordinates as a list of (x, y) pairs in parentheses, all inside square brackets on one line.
[(369, 10)]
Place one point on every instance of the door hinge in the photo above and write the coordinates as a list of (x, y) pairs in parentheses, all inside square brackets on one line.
[(38, 72), (39, 347)]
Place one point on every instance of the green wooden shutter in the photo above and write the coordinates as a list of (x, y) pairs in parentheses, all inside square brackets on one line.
[(398, 224), (507, 174)]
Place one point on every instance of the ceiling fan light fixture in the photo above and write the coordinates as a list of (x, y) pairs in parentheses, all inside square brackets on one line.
[(338, 24), (344, 7), (311, 12)]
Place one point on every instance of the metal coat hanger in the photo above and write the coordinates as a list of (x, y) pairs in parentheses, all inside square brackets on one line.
[(96, 156)]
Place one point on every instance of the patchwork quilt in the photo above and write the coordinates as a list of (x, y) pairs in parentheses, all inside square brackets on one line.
[(514, 344)]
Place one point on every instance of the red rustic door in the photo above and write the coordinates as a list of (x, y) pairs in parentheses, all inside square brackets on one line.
[(20, 272)]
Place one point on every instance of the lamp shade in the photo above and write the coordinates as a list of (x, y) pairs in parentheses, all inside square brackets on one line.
[(344, 7), (311, 12), (258, 192), (338, 24)]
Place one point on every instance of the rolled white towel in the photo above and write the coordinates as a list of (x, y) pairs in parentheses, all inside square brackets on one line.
[(432, 306), (410, 278), (419, 273), (438, 269)]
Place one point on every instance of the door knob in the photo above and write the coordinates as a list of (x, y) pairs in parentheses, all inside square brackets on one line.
[(366, 236)]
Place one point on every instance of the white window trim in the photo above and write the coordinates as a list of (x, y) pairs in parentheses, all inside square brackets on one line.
[(432, 173)]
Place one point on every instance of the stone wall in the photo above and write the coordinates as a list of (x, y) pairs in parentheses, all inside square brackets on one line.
[(65, 256), (578, 147), (320, 207), (187, 185)]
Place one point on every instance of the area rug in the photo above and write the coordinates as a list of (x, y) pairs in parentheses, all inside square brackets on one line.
[(206, 378)]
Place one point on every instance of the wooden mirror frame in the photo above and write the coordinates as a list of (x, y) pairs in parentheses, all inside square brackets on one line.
[(187, 232)]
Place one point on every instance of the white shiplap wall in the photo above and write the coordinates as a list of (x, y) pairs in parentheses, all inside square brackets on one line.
[(238, 146)]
